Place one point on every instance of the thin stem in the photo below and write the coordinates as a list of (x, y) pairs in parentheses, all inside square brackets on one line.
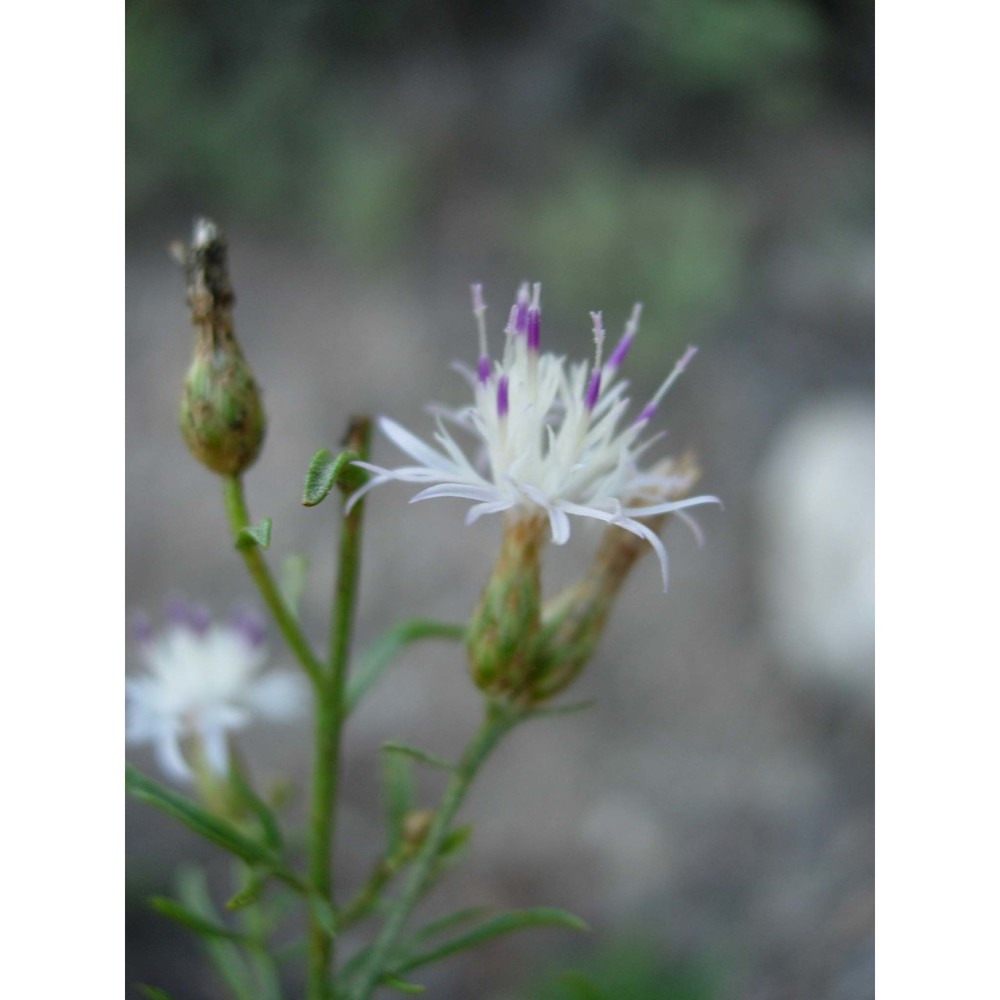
[(329, 726), (498, 722), (236, 512)]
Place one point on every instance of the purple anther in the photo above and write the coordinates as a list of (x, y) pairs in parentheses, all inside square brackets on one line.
[(249, 625), (647, 411), (534, 329), (483, 369), (503, 403), (519, 312), (621, 350), (193, 617), (141, 628), (593, 390)]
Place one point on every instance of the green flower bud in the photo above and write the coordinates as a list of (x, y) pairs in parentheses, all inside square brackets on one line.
[(503, 628), (221, 416)]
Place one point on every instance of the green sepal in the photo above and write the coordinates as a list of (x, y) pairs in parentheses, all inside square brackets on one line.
[(197, 819), (256, 534), (180, 914), (505, 923), (398, 796), (420, 755)]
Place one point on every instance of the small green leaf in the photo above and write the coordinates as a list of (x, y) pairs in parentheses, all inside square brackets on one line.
[(381, 654), (257, 534), (402, 986), (455, 842), (180, 914), (325, 472), (494, 927), (324, 913), (320, 477), (197, 819), (421, 755), (250, 892), (398, 796), (294, 571)]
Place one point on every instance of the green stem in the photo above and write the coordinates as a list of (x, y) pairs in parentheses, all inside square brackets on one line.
[(236, 512), (498, 722), (329, 727)]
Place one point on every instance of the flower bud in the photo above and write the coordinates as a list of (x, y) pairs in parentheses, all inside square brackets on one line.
[(503, 627), (221, 416), (572, 622)]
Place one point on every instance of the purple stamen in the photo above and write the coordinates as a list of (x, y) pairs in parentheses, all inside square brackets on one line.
[(622, 347), (249, 625), (503, 402), (647, 411), (650, 408), (483, 369), (593, 390), (141, 628), (535, 318), (193, 617), (520, 310)]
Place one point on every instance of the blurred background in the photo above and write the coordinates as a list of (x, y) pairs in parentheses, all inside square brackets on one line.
[(711, 817)]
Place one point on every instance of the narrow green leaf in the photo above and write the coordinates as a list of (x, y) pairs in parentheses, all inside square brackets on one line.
[(430, 931), (197, 819), (494, 927), (402, 986), (225, 955), (268, 821), (583, 987), (292, 580), (398, 796), (384, 650), (256, 534), (250, 892), (180, 914), (152, 993), (421, 755)]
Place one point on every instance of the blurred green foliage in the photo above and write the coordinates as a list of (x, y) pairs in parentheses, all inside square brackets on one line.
[(628, 970)]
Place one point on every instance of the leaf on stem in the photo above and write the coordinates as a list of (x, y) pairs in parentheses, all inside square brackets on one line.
[(324, 913), (420, 755), (197, 819), (325, 472), (256, 805), (253, 535), (402, 986), (505, 923), (180, 914)]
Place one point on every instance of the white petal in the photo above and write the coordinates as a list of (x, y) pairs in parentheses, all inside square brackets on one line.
[(412, 445), (559, 523), (475, 513), (465, 491), (279, 695), (215, 749), (667, 508), (695, 527), (167, 749)]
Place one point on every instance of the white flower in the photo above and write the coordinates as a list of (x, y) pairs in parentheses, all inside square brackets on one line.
[(202, 681), (551, 437)]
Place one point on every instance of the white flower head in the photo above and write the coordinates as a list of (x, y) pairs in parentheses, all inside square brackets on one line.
[(552, 437), (203, 680)]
